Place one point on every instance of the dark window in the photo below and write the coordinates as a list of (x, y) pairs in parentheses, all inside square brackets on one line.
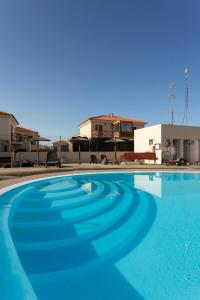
[(126, 127), (98, 127), (64, 148)]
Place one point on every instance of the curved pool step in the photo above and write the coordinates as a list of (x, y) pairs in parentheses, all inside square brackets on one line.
[(40, 215), (80, 214), (35, 198), (76, 195), (44, 203), (64, 204), (71, 261), (85, 231), (63, 220), (37, 194), (61, 185)]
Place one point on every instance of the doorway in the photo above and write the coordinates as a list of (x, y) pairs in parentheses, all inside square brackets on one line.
[(186, 149), (177, 149)]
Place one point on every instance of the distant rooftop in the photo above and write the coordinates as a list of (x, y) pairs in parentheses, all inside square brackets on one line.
[(113, 119), (62, 142), (24, 130)]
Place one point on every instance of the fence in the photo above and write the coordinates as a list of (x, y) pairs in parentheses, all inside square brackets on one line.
[(66, 157)]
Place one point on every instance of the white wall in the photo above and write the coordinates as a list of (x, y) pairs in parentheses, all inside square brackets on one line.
[(191, 133), (69, 157), (85, 129), (142, 137), (5, 127), (165, 131)]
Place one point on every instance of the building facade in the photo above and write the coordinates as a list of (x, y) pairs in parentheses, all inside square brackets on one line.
[(8, 124), (100, 128), (169, 142), (13, 137), (24, 139), (108, 126), (61, 145)]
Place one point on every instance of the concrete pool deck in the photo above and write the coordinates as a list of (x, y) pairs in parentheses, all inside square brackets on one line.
[(17, 175)]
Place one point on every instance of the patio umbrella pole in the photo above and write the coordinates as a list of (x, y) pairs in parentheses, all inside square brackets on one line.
[(79, 152), (79, 140), (115, 141), (38, 153)]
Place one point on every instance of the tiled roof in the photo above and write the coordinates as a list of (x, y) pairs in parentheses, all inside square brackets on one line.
[(4, 113), (114, 119), (61, 142), (24, 130)]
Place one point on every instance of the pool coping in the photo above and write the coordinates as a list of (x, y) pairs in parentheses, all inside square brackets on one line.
[(26, 179)]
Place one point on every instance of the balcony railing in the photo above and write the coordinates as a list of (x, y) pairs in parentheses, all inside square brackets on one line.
[(110, 134), (98, 133), (123, 134)]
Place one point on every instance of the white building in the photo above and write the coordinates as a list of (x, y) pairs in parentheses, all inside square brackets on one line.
[(169, 141), (8, 124), (14, 137)]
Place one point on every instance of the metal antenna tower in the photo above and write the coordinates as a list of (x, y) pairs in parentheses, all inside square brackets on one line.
[(172, 97), (186, 109)]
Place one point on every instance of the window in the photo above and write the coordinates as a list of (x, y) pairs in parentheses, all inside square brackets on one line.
[(64, 148), (11, 132), (126, 127), (129, 127), (98, 127), (151, 142), (5, 148)]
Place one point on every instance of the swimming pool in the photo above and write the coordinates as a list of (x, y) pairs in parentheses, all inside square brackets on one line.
[(102, 236)]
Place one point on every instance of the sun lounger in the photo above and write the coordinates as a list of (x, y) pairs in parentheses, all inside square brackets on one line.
[(52, 159), (105, 160), (94, 159)]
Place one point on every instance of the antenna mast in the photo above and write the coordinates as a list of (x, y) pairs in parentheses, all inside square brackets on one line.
[(186, 110), (172, 97)]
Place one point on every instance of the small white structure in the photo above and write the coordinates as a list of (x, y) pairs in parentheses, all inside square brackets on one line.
[(169, 141)]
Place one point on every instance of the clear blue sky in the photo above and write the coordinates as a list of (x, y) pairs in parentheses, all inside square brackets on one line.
[(63, 61)]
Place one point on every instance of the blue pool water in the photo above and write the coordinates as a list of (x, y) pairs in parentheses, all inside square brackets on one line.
[(129, 236)]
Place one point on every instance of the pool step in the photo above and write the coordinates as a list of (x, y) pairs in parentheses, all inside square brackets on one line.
[(36, 203), (36, 196), (104, 221), (42, 217), (82, 213), (106, 248), (61, 185), (71, 260)]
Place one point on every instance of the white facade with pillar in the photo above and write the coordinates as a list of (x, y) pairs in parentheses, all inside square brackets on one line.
[(169, 141)]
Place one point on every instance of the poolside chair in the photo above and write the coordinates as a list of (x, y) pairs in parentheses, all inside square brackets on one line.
[(94, 159), (52, 159), (105, 160), (178, 162)]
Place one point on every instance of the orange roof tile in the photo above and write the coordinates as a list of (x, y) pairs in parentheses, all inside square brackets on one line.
[(61, 142), (114, 119), (23, 130)]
